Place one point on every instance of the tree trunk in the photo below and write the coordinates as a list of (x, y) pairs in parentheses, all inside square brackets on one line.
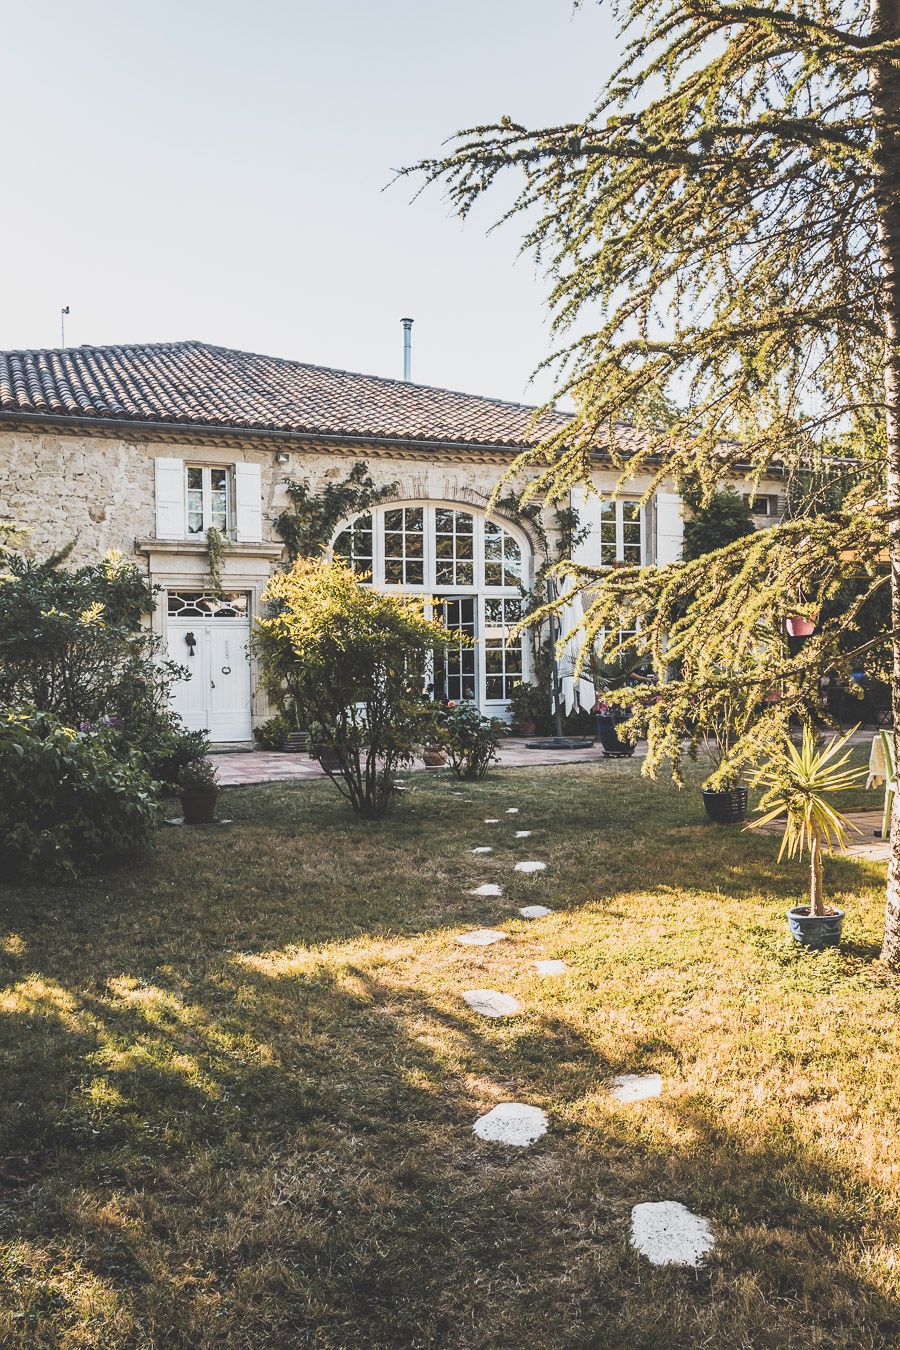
[(816, 878), (886, 99)]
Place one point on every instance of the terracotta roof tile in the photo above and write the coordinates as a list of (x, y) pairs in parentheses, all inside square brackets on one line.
[(194, 383)]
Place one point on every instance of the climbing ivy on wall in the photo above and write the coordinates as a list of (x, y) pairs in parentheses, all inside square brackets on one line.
[(308, 524)]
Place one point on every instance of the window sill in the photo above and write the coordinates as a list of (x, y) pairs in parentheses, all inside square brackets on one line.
[(199, 546)]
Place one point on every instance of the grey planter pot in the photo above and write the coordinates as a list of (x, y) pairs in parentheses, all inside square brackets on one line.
[(817, 930)]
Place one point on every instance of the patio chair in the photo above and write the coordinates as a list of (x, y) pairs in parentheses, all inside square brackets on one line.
[(890, 780), (613, 747)]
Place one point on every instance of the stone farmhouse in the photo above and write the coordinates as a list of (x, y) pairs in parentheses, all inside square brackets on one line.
[(143, 448)]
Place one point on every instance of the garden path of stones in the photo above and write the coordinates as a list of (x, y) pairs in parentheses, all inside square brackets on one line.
[(664, 1232)]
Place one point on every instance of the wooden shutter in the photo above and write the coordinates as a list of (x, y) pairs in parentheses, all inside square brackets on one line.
[(588, 506), (248, 503), (170, 516), (669, 528)]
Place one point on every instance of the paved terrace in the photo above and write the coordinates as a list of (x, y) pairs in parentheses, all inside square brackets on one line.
[(239, 768)]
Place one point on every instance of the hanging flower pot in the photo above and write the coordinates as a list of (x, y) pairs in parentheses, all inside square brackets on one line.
[(799, 626)]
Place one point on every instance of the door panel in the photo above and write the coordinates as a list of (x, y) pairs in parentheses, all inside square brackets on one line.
[(216, 696), (229, 681)]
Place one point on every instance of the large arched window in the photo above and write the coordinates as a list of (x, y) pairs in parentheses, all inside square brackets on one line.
[(476, 567)]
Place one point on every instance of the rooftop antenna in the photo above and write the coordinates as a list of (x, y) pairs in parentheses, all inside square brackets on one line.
[(407, 347), (62, 324)]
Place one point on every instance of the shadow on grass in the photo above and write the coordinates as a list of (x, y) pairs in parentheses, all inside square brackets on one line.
[(248, 1159)]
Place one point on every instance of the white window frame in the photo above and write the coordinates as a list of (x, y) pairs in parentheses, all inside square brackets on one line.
[(762, 504), (617, 505), (207, 470), (429, 586)]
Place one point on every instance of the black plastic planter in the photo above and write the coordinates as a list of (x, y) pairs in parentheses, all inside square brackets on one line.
[(726, 808)]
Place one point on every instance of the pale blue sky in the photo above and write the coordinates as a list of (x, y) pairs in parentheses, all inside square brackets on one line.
[(214, 170)]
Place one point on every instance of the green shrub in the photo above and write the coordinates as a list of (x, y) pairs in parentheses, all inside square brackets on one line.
[(272, 735), (68, 800), (72, 644), (471, 741), (355, 660), (530, 703), (199, 776)]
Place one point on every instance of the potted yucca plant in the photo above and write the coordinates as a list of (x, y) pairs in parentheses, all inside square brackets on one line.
[(797, 784)]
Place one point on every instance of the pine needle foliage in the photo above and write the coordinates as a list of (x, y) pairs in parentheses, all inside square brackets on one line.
[(721, 236)]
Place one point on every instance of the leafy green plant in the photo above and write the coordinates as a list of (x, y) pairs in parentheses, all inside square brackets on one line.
[(271, 735), (529, 703), (72, 644), (356, 659), (798, 783), (69, 799), (472, 741), (200, 775), (714, 522)]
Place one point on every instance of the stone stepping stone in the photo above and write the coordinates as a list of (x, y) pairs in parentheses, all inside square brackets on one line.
[(512, 810), (489, 888), (636, 1087), (491, 1003), (535, 911), (530, 867), (548, 968), (482, 850), (523, 834), (491, 820), (512, 1123), (670, 1235), (481, 937)]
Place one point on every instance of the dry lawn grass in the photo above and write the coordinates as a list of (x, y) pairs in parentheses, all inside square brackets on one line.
[(239, 1083)]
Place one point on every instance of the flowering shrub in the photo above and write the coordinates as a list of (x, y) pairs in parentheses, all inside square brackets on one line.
[(68, 798), (472, 741)]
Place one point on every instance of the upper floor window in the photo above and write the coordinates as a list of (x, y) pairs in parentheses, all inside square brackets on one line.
[(208, 503), (621, 533), (434, 548)]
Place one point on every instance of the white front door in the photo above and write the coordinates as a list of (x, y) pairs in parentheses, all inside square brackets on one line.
[(216, 695)]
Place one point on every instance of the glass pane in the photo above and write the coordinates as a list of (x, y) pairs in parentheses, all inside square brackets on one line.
[(464, 574), (393, 520), (493, 611), (493, 574), (465, 524), (443, 520), (464, 546), (443, 574), (510, 576), (195, 479), (493, 659), (494, 687), (393, 545), (415, 518), (414, 574), (393, 571)]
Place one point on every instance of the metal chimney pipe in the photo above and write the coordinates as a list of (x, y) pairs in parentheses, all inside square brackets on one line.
[(407, 347)]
